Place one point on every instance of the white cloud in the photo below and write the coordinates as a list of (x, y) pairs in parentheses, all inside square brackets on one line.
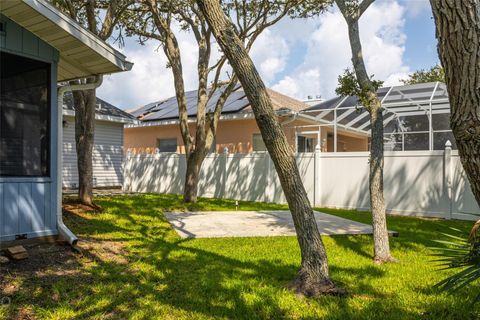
[(416, 7), (270, 52), (328, 52), (149, 80), (297, 57)]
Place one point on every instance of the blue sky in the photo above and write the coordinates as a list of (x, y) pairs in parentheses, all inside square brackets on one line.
[(296, 57)]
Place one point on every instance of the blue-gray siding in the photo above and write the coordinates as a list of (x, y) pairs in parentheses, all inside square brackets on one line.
[(25, 209), (28, 206)]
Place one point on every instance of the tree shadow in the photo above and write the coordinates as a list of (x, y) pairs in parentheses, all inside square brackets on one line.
[(158, 275)]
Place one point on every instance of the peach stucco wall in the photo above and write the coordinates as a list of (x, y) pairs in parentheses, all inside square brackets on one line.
[(236, 135)]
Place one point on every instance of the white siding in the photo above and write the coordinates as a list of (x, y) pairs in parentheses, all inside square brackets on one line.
[(107, 154)]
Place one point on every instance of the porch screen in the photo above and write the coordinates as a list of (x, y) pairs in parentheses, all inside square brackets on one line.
[(24, 117)]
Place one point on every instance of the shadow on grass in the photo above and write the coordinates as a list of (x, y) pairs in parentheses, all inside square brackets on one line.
[(414, 233), (167, 277)]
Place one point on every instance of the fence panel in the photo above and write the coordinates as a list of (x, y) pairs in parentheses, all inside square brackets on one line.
[(463, 200), (425, 183), (414, 183)]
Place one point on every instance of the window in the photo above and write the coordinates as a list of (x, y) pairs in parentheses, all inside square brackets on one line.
[(258, 144), (305, 144), (167, 145), (24, 117)]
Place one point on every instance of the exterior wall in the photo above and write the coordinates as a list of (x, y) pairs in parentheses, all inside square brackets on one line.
[(236, 135), (416, 182), (107, 154), (144, 139), (346, 141), (28, 205)]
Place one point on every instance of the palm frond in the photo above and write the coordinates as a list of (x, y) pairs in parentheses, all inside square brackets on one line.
[(462, 253)]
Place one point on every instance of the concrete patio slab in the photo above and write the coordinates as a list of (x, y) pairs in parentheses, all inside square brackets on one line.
[(255, 224)]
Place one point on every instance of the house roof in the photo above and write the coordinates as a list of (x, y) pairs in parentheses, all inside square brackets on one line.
[(236, 102), (413, 94), (397, 101), (103, 111), (82, 53)]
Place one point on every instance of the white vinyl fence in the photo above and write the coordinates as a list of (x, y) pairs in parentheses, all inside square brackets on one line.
[(424, 183)]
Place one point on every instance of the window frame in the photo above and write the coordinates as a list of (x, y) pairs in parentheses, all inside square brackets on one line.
[(307, 144), (50, 123), (167, 139)]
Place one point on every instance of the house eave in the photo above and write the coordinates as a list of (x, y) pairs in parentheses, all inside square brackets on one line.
[(224, 117), (102, 117), (81, 53)]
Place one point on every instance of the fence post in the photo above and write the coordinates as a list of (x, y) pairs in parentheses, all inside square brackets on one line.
[(268, 187), (224, 175), (448, 176), (316, 177), (125, 173)]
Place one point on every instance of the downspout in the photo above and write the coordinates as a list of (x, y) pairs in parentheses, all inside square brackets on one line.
[(63, 230)]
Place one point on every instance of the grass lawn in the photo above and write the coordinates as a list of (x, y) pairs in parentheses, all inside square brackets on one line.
[(136, 266)]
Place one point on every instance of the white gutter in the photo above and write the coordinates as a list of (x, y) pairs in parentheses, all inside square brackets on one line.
[(62, 228), (224, 117), (102, 117), (293, 118)]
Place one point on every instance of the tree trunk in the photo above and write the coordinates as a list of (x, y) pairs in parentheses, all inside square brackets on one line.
[(194, 164), (85, 102), (458, 33), (373, 106), (377, 201), (313, 277)]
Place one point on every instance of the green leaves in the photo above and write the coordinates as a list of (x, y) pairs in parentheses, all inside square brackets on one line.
[(460, 253), (434, 74), (348, 86)]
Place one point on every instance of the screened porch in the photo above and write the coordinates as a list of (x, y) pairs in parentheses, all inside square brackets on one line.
[(416, 117)]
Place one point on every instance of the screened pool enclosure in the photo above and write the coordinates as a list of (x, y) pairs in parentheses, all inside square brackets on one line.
[(416, 117)]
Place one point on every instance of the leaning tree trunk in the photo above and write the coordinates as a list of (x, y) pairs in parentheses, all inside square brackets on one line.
[(194, 163), (84, 139), (458, 33), (313, 277), (377, 202)]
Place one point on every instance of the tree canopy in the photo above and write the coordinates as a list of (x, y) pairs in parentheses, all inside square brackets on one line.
[(434, 74)]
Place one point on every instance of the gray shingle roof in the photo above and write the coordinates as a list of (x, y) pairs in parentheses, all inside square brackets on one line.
[(103, 108)]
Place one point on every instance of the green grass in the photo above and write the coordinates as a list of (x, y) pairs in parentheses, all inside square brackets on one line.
[(167, 277)]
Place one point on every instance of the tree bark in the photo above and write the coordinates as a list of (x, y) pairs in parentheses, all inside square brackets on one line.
[(85, 12), (374, 107), (85, 102), (458, 32), (194, 163), (313, 277), (381, 243)]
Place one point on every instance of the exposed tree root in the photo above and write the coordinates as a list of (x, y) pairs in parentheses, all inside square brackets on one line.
[(307, 288), (383, 260), (73, 205)]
